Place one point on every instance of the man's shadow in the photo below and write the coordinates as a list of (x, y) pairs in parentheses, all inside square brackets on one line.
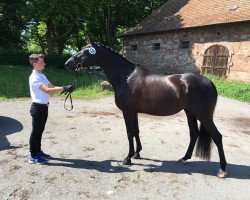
[(8, 126)]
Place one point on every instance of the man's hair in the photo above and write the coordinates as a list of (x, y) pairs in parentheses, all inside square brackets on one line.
[(34, 58)]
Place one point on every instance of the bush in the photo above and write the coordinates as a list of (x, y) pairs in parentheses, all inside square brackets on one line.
[(14, 57), (21, 57), (57, 61)]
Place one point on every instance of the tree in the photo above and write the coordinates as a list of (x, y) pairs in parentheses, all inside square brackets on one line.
[(52, 22), (11, 23), (108, 17), (55, 25)]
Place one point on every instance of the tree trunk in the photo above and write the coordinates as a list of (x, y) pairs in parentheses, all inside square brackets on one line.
[(108, 23), (49, 37)]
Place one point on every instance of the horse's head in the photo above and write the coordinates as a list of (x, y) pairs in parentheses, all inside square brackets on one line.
[(83, 58)]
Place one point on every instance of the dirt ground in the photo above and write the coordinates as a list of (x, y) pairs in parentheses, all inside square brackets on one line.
[(88, 144)]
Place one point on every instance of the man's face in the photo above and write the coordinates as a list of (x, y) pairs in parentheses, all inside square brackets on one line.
[(40, 64)]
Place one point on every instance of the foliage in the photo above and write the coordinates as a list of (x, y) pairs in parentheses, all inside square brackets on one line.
[(14, 57), (233, 89), (52, 22), (21, 57), (14, 82), (56, 26), (12, 23), (108, 17)]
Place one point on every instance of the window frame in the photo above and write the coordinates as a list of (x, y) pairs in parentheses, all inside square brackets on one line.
[(156, 46), (133, 47), (184, 46)]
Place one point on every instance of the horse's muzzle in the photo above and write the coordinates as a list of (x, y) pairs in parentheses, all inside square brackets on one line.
[(69, 64)]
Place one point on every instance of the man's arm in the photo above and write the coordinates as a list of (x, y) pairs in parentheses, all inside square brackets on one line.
[(51, 85), (50, 89)]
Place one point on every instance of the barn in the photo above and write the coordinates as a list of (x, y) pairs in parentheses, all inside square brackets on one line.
[(193, 36)]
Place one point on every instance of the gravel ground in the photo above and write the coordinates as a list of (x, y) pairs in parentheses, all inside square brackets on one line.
[(88, 144)]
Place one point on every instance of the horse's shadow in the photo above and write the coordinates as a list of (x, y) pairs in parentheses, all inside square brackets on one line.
[(194, 167), (200, 167), (8, 126)]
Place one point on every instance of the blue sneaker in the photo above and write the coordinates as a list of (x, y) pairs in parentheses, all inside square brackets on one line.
[(37, 160), (43, 155)]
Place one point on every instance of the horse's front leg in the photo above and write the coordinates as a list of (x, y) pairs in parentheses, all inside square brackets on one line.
[(137, 139), (130, 126)]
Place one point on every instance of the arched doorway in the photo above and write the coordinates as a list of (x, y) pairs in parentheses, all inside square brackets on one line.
[(215, 61)]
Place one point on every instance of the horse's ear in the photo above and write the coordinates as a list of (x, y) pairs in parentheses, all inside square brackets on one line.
[(90, 38)]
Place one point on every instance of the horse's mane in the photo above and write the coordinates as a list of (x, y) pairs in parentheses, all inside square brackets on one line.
[(113, 51)]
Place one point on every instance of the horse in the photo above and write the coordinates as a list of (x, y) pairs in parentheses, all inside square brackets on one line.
[(137, 90)]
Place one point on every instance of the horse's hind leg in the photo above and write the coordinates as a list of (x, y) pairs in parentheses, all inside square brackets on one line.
[(130, 126), (137, 139), (194, 133), (217, 138)]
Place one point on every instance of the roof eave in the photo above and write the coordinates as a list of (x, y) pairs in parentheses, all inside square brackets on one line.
[(186, 27)]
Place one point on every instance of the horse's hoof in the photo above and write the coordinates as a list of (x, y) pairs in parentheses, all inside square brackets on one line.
[(126, 161), (222, 174), (183, 162), (136, 156)]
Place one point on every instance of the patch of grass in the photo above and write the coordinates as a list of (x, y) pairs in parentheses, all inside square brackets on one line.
[(232, 89), (14, 82)]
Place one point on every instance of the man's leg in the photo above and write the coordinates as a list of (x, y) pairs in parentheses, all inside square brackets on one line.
[(39, 117)]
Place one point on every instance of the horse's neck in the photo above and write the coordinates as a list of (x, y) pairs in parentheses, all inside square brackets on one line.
[(116, 68)]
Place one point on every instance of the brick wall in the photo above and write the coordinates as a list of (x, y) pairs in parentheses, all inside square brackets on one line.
[(171, 59)]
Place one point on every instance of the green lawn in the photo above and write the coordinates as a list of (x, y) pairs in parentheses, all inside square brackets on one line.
[(14, 82), (232, 89)]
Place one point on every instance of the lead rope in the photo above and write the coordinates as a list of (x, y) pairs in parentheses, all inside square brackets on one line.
[(69, 95)]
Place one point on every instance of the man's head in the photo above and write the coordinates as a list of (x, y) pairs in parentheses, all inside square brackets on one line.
[(37, 61)]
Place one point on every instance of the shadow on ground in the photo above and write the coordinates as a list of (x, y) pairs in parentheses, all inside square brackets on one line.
[(101, 166), (8, 126), (195, 167), (201, 167)]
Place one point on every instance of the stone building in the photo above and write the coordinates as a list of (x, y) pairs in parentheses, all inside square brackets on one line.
[(194, 35)]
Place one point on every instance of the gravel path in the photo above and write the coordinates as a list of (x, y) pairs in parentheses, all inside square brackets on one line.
[(89, 143)]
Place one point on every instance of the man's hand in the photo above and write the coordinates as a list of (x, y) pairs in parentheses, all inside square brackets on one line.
[(68, 88)]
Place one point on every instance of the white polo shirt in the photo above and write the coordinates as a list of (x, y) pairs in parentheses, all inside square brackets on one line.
[(35, 81)]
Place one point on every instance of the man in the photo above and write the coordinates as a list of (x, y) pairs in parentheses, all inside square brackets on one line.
[(40, 90)]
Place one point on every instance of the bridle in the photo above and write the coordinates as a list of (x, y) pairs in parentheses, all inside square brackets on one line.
[(77, 69)]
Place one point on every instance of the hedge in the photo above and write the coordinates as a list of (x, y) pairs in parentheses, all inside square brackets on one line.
[(21, 57)]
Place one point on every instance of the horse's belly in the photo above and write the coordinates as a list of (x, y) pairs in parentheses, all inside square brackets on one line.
[(160, 107)]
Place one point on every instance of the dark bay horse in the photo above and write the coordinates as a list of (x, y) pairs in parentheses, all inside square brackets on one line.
[(139, 91)]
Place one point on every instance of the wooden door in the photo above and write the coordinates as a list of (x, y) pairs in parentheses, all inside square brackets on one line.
[(215, 61)]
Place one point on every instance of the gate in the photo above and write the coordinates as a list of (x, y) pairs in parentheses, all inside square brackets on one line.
[(215, 61)]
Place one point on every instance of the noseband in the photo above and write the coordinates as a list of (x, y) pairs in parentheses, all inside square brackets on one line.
[(80, 61)]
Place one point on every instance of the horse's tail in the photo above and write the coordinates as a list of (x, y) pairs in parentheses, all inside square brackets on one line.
[(203, 146)]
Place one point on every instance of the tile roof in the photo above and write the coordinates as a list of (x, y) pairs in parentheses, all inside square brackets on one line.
[(176, 14)]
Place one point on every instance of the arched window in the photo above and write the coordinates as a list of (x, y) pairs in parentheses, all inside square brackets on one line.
[(215, 61)]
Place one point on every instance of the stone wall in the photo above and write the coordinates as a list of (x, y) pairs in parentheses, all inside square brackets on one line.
[(171, 59)]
